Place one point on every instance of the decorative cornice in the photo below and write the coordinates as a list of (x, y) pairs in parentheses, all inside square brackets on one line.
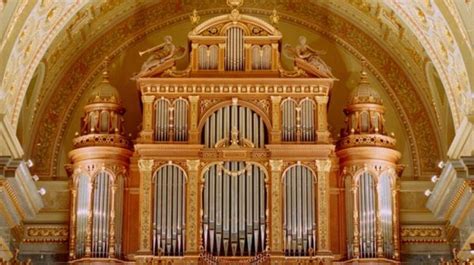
[(46, 234)]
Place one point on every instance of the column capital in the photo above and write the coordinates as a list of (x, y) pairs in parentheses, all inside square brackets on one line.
[(148, 98), (193, 99), (321, 99), (323, 165), (193, 165), (276, 165), (145, 164)]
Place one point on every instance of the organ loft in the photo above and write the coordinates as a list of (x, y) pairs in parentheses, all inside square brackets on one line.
[(234, 163)]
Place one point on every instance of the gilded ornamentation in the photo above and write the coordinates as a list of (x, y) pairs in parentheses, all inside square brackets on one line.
[(43, 151), (262, 104), (46, 234), (145, 167), (421, 231), (323, 166), (192, 212)]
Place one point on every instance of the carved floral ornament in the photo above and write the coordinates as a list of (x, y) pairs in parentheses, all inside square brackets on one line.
[(44, 152)]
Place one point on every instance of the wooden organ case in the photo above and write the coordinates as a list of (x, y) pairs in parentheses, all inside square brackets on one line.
[(234, 162)]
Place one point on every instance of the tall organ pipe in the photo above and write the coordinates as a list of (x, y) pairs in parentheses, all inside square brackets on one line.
[(168, 212), (101, 215), (349, 215), (219, 126), (367, 215), (234, 55), (238, 207), (386, 213), (299, 217), (81, 215)]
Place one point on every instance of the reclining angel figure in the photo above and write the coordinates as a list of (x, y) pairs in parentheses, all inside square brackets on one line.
[(160, 54), (310, 55)]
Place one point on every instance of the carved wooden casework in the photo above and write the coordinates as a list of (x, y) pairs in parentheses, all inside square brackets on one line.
[(234, 162)]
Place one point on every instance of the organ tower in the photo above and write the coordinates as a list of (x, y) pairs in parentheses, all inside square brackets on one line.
[(234, 162)]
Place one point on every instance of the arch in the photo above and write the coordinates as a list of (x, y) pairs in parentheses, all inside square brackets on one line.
[(315, 175), (170, 163)]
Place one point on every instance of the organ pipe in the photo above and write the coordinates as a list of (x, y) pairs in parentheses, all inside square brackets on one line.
[(168, 211), (219, 126), (349, 215), (298, 120), (385, 210), (367, 216), (101, 215), (299, 219), (171, 120), (234, 209), (234, 53), (82, 214)]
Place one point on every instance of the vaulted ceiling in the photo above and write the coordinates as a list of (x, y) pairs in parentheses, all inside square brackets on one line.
[(417, 60)]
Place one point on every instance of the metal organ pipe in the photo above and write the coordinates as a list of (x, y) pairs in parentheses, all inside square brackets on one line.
[(238, 206), (81, 214), (386, 213), (168, 208), (299, 217), (234, 53), (219, 126), (349, 215), (367, 215), (101, 215)]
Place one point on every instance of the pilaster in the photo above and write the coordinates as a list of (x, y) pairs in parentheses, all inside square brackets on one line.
[(276, 123), (276, 211), (324, 167), (193, 119), (193, 216), (322, 133), (146, 135), (145, 167)]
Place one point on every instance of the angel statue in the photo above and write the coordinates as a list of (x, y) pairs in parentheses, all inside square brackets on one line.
[(310, 55), (160, 54)]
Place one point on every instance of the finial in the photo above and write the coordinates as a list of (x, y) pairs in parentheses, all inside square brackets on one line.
[(274, 17), (364, 77), (105, 72), (194, 18), (234, 4)]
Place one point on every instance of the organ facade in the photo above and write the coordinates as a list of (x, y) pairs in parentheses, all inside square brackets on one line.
[(234, 162)]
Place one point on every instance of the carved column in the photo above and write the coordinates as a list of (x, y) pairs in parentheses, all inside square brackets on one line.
[(112, 221), (322, 133), (193, 215), (275, 56), (276, 123), (89, 220), (146, 135), (194, 57), (193, 119), (324, 167), (275, 208), (356, 237), (396, 222), (72, 223), (145, 168)]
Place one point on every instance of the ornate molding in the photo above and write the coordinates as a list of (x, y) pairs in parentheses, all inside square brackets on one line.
[(46, 234)]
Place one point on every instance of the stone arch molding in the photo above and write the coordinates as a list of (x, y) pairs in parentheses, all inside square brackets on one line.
[(48, 18)]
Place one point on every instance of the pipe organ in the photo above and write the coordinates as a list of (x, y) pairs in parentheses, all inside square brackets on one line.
[(234, 162)]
